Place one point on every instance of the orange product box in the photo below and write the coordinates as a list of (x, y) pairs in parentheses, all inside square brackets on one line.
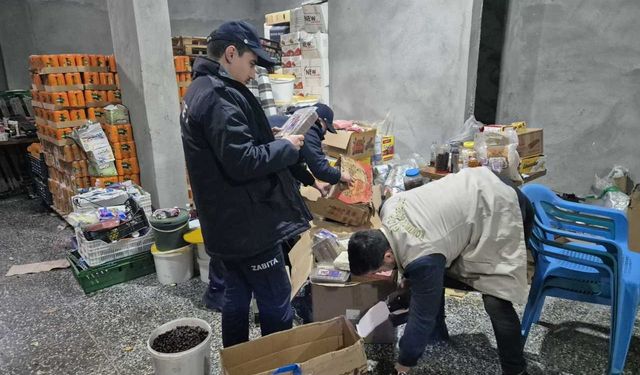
[(114, 96), (103, 181), (94, 113), (59, 116), (78, 153), (63, 133), (90, 78), (49, 61), (102, 60), (60, 98), (93, 60), (76, 98), (36, 80), (116, 79), (72, 79), (112, 63), (82, 60), (124, 150), (66, 60), (118, 133), (77, 114), (135, 178), (91, 96), (127, 166)]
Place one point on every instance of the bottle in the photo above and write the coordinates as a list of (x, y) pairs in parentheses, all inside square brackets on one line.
[(455, 157), (412, 179), (434, 152)]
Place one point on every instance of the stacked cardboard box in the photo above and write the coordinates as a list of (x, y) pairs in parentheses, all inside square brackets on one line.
[(117, 127), (183, 74), (69, 90), (305, 49)]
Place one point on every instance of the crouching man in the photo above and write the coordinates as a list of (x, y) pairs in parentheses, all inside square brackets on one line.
[(467, 228)]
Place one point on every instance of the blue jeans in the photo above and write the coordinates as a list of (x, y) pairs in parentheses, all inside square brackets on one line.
[(266, 278)]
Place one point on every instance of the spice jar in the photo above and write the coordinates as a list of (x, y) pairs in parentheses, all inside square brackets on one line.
[(412, 179)]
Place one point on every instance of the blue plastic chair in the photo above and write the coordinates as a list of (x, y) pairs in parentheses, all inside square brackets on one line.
[(581, 254)]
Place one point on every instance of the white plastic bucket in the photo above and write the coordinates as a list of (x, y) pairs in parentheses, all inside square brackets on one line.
[(202, 253), (203, 264), (173, 266), (196, 360), (282, 87)]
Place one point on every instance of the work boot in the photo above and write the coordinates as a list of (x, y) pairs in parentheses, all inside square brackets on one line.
[(213, 300)]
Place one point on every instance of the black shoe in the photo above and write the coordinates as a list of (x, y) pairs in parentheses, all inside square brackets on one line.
[(213, 300)]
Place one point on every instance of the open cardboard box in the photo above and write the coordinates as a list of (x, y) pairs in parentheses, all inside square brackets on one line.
[(352, 144), (324, 348)]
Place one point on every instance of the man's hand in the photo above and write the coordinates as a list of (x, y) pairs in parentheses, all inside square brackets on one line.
[(297, 141), (345, 177), (402, 370), (275, 130), (322, 187)]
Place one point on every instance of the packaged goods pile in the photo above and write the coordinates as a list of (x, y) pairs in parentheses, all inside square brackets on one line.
[(70, 91)]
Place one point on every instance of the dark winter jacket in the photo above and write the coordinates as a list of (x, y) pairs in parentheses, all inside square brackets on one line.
[(315, 158), (247, 199)]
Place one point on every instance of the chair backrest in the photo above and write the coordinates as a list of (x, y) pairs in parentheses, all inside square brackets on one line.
[(575, 217)]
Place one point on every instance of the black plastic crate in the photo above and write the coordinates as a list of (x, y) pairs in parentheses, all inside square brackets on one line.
[(42, 190), (39, 167)]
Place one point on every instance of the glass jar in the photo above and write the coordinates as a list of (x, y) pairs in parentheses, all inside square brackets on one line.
[(442, 159), (412, 179), (467, 154)]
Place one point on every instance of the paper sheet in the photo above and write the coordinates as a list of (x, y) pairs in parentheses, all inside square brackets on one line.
[(376, 315), (37, 267)]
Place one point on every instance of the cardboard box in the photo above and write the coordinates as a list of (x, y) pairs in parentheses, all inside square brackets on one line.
[(292, 61), (294, 49), (324, 348), (297, 71), (277, 17), (352, 144), (315, 71), (633, 218), (530, 142), (316, 18), (315, 46), (292, 38), (353, 300), (334, 209), (624, 183)]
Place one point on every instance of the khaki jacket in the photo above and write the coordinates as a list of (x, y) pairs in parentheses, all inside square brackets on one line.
[(474, 220)]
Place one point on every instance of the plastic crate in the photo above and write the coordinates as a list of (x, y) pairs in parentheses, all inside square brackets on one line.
[(112, 273), (42, 190), (39, 167), (100, 252)]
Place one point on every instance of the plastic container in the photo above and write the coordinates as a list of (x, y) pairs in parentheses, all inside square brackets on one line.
[(168, 232), (111, 273), (442, 159), (203, 264), (454, 158), (412, 179), (99, 252), (196, 360), (282, 87), (175, 266)]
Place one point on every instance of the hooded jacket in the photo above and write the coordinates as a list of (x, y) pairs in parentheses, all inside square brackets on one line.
[(247, 199)]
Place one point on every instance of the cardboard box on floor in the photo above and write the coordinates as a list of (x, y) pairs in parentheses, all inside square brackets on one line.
[(633, 218), (352, 144), (324, 348)]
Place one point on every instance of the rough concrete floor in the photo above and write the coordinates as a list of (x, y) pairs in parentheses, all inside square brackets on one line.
[(49, 326)]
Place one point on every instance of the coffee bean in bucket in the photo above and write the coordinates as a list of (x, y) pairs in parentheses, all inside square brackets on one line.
[(179, 339)]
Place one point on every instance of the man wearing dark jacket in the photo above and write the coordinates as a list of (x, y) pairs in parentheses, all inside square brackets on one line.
[(246, 197), (311, 152)]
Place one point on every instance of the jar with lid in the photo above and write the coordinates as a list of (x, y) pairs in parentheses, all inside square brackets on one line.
[(467, 154), (412, 179), (442, 159)]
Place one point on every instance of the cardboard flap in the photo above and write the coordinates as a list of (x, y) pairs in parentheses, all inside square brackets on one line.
[(301, 257), (339, 140)]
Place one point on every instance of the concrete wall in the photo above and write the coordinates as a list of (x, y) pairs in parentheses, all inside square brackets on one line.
[(16, 41), (572, 68), (423, 72), (200, 17)]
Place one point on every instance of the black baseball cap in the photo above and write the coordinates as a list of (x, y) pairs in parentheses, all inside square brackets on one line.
[(326, 113), (242, 32)]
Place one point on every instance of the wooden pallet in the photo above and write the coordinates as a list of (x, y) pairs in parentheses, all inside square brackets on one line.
[(189, 45)]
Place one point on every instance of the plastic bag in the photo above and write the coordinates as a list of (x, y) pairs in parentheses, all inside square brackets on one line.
[(467, 131)]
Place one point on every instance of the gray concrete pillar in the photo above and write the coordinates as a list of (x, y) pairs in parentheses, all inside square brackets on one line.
[(141, 35)]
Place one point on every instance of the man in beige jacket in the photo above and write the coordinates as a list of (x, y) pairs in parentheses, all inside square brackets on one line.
[(468, 229)]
